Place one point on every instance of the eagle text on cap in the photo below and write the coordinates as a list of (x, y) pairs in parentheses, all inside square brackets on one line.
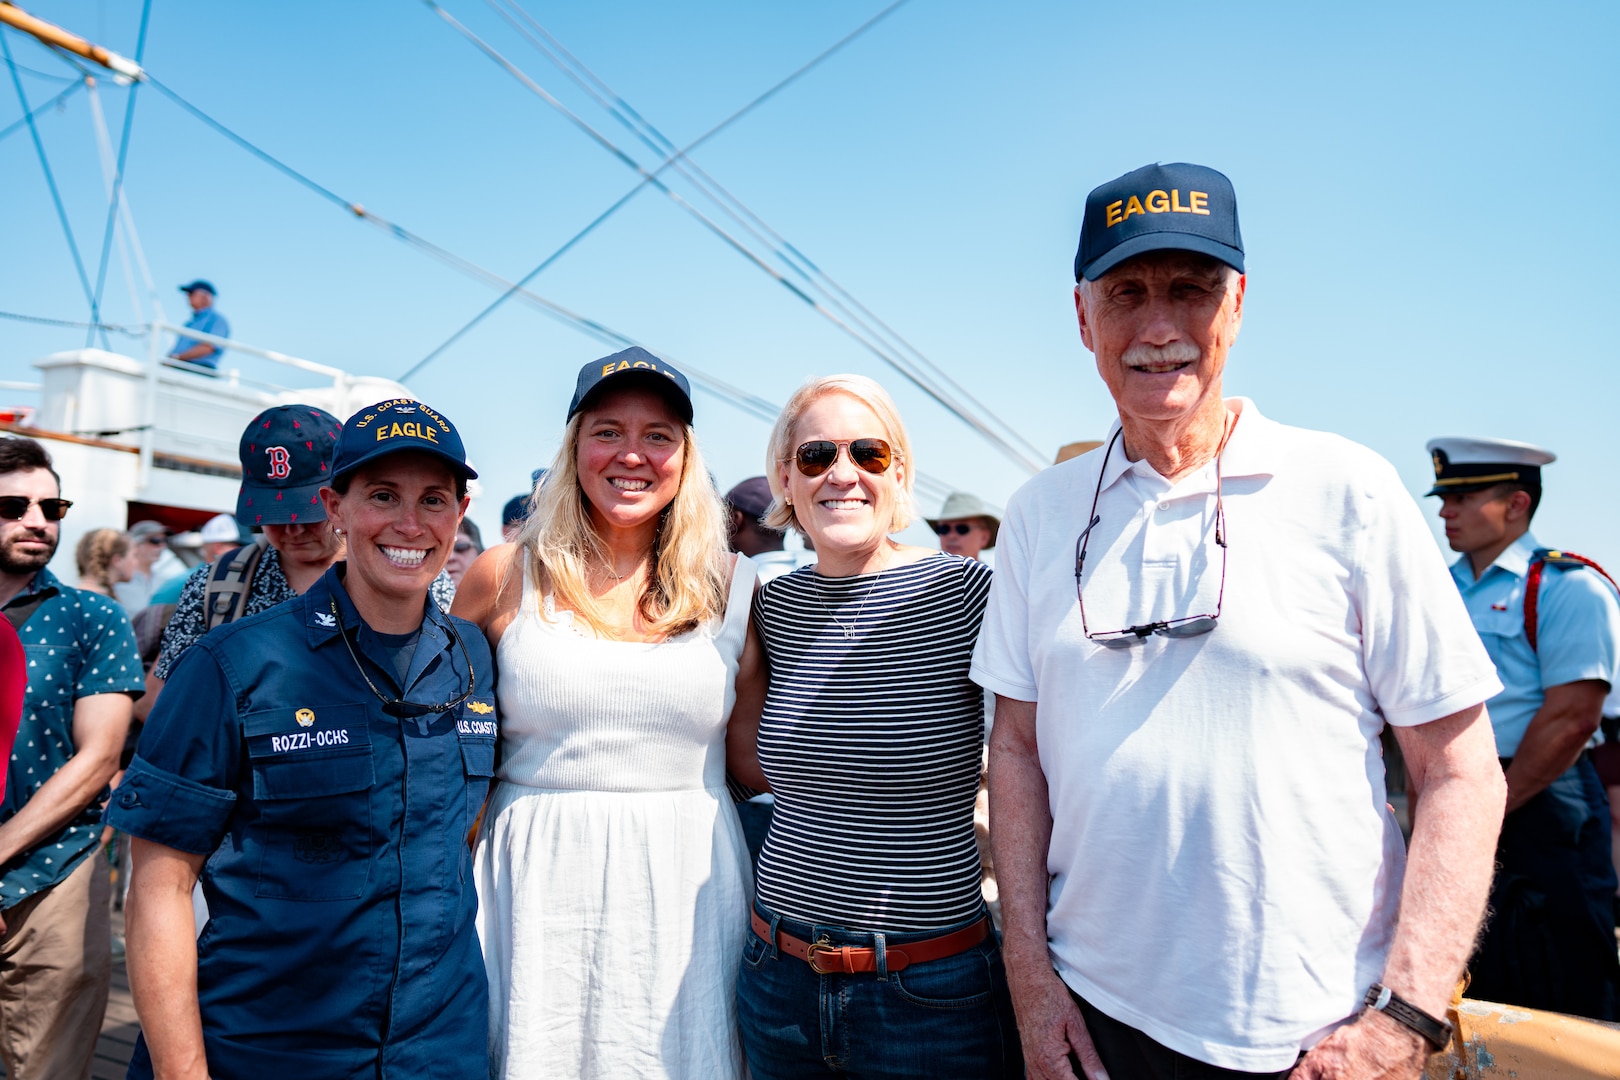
[(1158, 202), (626, 365), (414, 429)]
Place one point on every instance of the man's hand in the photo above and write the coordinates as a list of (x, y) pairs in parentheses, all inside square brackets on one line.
[(1373, 1048), (1051, 1029)]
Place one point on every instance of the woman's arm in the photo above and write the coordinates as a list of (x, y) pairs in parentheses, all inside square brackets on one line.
[(490, 591), (742, 730), (162, 958)]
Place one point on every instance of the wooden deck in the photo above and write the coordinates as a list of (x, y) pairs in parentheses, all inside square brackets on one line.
[(118, 1030)]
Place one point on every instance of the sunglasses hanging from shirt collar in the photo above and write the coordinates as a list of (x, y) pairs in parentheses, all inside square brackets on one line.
[(399, 706), (1184, 627)]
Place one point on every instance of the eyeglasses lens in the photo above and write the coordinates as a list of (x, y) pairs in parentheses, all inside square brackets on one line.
[(873, 455), (15, 508), (817, 457), (960, 528)]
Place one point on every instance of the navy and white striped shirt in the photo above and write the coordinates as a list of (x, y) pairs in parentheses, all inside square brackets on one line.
[(871, 739)]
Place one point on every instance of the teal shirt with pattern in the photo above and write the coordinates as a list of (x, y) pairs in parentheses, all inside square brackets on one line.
[(78, 644)]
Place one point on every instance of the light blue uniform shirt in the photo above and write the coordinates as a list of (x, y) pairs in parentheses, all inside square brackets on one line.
[(1577, 633), (209, 321)]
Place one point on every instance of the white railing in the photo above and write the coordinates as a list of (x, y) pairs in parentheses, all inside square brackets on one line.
[(157, 362)]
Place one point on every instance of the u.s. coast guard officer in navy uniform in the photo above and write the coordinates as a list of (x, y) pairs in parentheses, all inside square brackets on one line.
[(320, 765), (1551, 622)]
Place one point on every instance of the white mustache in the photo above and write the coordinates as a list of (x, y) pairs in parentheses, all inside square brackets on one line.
[(1176, 352)]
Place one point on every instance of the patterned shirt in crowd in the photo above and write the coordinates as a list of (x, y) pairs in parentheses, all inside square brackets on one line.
[(78, 644), (268, 588), (871, 739)]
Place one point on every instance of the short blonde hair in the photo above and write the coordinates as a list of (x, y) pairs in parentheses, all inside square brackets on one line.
[(691, 565), (783, 442)]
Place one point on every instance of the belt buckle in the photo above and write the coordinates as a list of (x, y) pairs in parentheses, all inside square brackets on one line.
[(820, 945)]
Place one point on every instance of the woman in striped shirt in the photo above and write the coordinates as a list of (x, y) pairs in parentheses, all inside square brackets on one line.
[(871, 953)]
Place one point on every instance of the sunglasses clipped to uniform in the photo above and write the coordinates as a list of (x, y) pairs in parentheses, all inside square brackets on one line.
[(15, 507), (869, 455)]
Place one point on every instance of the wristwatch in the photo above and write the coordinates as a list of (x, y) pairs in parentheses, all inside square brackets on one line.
[(1435, 1031)]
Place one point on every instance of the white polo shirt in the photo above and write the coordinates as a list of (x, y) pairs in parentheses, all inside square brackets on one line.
[(1225, 871)]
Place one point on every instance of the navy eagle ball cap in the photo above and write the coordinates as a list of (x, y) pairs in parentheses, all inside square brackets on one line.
[(401, 424), (286, 454), (632, 365), (1176, 207)]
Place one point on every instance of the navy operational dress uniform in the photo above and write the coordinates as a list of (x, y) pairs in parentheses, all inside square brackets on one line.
[(1549, 938), (292, 747)]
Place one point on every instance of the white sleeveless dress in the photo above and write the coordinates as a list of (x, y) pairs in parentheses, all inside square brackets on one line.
[(613, 879)]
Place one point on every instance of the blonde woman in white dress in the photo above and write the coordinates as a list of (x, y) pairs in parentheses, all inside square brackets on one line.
[(612, 875)]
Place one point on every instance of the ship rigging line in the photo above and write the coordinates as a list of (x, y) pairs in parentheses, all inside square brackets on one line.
[(18, 125), (134, 332), (50, 177), (118, 176), (1032, 464), (788, 255), (643, 182), (755, 406)]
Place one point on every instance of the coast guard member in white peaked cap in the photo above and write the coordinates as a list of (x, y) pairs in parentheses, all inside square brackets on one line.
[(1551, 624)]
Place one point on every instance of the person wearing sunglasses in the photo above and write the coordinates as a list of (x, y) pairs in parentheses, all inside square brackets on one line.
[(319, 767), (469, 545), (612, 871), (869, 947), (965, 526), (1197, 633), (83, 670)]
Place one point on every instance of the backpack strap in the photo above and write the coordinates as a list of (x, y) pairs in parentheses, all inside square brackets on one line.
[(229, 583), (1539, 560)]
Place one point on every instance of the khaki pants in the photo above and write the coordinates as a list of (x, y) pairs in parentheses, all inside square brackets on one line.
[(55, 966)]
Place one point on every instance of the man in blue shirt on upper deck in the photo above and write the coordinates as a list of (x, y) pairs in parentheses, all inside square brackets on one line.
[(206, 318), (1550, 621)]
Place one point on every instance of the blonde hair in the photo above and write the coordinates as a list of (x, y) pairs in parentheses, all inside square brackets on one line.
[(780, 449), (97, 550), (690, 573)]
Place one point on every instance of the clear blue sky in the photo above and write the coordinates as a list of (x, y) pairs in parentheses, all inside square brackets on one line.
[(1426, 196)]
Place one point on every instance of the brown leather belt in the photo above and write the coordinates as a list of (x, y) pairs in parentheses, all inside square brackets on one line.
[(825, 958)]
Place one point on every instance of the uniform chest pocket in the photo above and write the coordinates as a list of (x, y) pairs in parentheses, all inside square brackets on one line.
[(312, 779)]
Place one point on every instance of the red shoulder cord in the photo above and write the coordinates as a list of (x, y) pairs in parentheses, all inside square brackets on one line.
[(1532, 587)]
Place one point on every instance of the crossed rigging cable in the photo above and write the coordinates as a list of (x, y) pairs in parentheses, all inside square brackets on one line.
[(789, 255), (750, 403), (1031, 459), (50, 177)]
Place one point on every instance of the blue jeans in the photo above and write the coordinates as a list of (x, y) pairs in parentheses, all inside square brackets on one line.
[(938, 1020)]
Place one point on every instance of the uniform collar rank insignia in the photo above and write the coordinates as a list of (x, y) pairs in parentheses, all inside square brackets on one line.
[(325, 620)]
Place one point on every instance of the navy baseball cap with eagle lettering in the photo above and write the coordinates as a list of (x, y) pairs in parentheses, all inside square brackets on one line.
[(633, 365), (286, 455), (1175, 207), (400, 424)]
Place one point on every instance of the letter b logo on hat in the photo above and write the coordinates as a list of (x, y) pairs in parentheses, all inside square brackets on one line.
[(1176, 207)]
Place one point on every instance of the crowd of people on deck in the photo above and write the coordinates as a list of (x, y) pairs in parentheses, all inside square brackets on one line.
[(639, 792)]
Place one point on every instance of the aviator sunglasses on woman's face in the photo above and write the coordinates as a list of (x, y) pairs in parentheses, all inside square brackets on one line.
[(869, 455)]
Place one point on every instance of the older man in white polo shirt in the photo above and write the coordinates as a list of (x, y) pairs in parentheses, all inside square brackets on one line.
[(1196, 634)]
